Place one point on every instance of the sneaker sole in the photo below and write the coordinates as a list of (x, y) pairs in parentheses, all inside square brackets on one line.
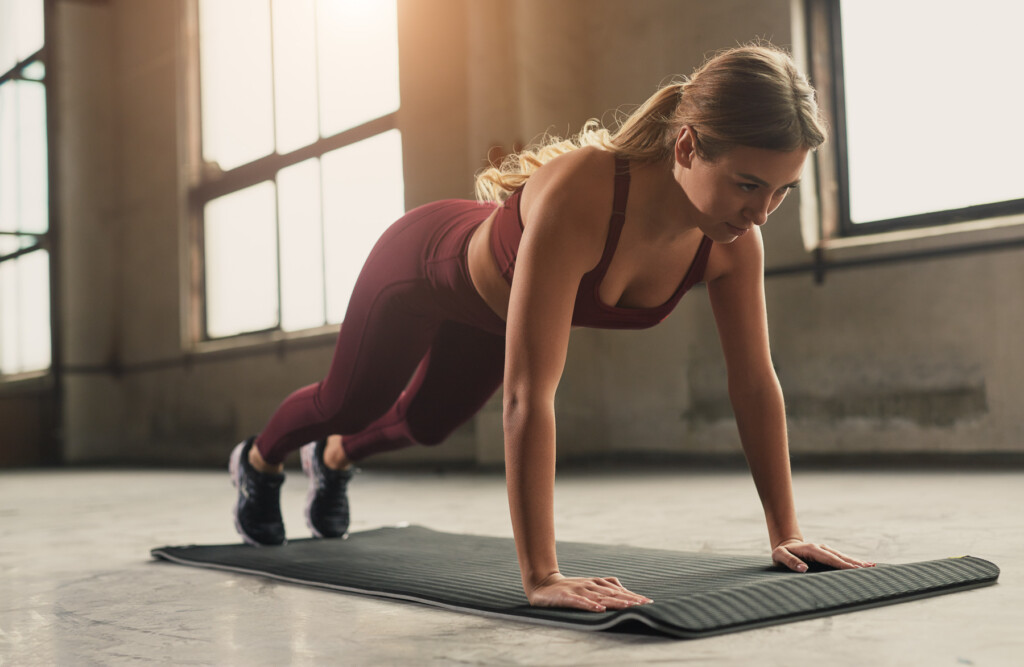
[(235, 471)]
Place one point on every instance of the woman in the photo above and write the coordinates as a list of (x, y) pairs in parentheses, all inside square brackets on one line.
[(609, 230)]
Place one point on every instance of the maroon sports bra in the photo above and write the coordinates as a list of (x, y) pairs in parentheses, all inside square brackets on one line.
[(590, 311)]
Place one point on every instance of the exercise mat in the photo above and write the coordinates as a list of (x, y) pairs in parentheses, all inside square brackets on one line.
[(695, 594)]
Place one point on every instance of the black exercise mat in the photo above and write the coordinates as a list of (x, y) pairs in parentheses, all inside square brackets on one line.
[(695, 594)]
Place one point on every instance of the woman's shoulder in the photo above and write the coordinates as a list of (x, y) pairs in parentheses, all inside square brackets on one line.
[(588, 163), (580, 181)]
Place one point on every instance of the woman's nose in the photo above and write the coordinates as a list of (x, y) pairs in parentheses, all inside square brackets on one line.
[(758, 214)]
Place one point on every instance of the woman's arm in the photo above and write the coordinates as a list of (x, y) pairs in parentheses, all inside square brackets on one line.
[(558, 246), (738, 303)]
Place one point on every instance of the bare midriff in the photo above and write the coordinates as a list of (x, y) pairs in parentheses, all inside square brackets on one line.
[(483, 270)]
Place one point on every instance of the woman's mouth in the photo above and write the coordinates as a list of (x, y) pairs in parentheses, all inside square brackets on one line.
[(738, 231)]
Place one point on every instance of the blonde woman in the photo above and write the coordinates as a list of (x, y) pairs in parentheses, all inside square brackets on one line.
[(608, 230)]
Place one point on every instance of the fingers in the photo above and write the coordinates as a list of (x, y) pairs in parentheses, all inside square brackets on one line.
[(791, 555), (848, 562), (823, 554), (611, 587), (826, 555), (575, 601), (612, 596), (787, 558), (589, 594)]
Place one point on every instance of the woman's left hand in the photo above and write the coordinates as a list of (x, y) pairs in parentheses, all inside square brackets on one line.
[(795, 554)]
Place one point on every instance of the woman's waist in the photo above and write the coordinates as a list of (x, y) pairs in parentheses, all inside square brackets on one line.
[(484, 271), (448, 226)]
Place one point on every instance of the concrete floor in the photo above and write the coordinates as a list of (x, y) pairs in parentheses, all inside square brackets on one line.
[(78, 586)]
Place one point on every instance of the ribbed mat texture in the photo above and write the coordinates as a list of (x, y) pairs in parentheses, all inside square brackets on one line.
[(695, 595)]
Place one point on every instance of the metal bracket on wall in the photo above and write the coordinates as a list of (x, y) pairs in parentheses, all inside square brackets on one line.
[(41, 243), (16, 73)]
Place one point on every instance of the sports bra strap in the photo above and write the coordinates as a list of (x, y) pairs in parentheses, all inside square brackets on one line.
[(618, 218), (621, 186)]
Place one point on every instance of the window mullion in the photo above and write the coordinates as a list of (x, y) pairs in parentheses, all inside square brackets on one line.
[(265, 167), (370, 124), (21, 251)]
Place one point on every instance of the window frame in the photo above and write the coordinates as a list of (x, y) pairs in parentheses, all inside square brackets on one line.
[(825, 39), (45, 241), (45, 385), (207, 182)]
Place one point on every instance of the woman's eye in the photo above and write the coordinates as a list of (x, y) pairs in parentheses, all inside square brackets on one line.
[(748, 187)]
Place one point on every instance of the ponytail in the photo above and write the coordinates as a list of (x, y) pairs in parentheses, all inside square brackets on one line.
[(747, 96)]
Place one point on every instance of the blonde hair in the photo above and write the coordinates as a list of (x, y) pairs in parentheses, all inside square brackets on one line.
[(751, 95)]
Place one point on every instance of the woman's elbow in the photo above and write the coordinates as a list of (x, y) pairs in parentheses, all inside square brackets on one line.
[(756, 384), (521, 402)]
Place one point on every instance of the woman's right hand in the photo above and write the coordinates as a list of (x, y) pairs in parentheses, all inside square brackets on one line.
[(586, 593)]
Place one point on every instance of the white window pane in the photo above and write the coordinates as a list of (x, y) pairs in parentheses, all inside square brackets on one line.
[(21, 30), (34, 311), (295, 93), (8, 32), (235, 67), (24, 311), (9, 316), (358, 48), (302, 248), (30, 30), (363, 194), (241, 261), (36, 71), (9, 190), (929, 128), (31, 150)]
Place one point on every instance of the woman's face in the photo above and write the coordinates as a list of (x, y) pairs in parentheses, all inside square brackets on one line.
[(737, 190)]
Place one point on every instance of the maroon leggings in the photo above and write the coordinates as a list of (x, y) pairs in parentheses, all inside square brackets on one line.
[(418, 354)]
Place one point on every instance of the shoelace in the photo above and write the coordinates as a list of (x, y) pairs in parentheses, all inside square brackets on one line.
[(265, 497), (333, 484)]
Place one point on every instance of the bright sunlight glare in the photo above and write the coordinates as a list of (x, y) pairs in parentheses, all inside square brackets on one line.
[(933, 104)]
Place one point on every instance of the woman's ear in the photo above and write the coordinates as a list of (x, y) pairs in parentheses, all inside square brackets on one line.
[(686, 146)]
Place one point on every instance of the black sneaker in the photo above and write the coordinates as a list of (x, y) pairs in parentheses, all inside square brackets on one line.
[(258, 510), (327, 501)]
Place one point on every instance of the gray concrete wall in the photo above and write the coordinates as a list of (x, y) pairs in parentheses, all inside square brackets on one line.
[(915, 356)]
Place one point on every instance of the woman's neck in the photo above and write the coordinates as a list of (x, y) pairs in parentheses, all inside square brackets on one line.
[(659, 202)]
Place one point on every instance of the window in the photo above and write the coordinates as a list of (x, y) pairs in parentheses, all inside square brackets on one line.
[(926, 104), (24, 209), (302, 156)]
